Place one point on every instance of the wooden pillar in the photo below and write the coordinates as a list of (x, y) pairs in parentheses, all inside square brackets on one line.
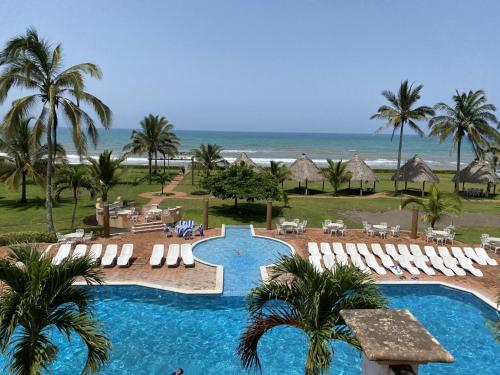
[(349, 185), (323, 188), (269, 214), (361, 187), (192, 170), (463, 186), (374, 182), (306, 186), (423, 188), (406, 185), (414, 223), (205, 213)]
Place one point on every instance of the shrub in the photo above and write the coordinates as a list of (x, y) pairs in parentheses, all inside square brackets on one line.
[(26, 237)]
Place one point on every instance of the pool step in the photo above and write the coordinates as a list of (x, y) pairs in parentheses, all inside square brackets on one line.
[(147, 227)]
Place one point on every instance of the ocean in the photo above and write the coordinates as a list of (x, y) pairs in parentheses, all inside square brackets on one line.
[(376, 149)]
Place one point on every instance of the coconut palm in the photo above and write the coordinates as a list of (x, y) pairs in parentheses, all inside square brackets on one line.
[(104, 171), (437, 205), (401, 111), (168, 149), (208, 157), (310, 301), (38, 297), (31, 63), (73, 178), (337, 174), (280, 171), (162, 179), (470, 116), (156, 135)]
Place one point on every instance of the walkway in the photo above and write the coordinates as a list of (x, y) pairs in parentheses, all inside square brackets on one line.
[(156, 198)]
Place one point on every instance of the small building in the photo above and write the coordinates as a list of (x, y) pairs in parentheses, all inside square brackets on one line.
[(393, 342), (246, 160), (304, 169), (415, 170), (361, 172), (478, 172)]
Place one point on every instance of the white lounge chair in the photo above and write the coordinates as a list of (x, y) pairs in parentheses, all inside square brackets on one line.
[(403, 250), (363, 249), (125, 255), (338, 249), (444, 252), (325, 248), (386, 259), (372, 263), (390, 249), (315, 260), (79, 251), (351, 249), (404, 262), (329, 260), (430, 251), (109, 255), (466, 264), (62, 253), (420, 262), (469, 251), (457, 252), (95, 251), (187, 255), (483, 254), (313, 249), (417, 252), (358, 262), (173, 255), (157, 255), (452, 263), (342, 259), (438, 264)]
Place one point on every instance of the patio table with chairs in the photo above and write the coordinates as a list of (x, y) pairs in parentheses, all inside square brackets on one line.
[(492, 243), (291, 226)]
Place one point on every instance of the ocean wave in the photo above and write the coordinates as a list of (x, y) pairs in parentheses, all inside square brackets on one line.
[(239, 151)]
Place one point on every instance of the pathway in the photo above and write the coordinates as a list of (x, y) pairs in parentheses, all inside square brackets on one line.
[(155, 197)]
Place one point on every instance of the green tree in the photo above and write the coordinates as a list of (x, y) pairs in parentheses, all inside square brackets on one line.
[(401, 111), (470, 117), (162, 179), (31, 63), (241, 182), (37, 297), (310, 301), (337, 174), (280, 171), (437, 205), (208, 158), (104, 171), (168, 149), (73, 178)]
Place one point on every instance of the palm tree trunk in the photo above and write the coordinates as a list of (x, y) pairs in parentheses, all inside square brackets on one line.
[(156, 162), (235, 202), (75, 202), (150, 168), (399, 156), (105, 215), (164, 164), (50, 154), (457, 182), (23, 188)]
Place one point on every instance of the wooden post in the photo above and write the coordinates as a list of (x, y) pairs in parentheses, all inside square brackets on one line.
[(192, 170), (361, 187), (374, 182), (406, 185), (423, 188), (306, 186), (323, 188), (269, 214), (349, 186), (414, 223), (205, 213)]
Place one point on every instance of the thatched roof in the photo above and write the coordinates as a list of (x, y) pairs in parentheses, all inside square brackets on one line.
[(359, 170), (478, 172), (243, 158), (394, 336), (304, 169), (415, 170)]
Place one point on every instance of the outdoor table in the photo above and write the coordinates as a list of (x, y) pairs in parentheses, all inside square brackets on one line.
[(495, 240), (74, 236), (442, 233), (125, 212), (379, 227), (335, 225), (289, 225)]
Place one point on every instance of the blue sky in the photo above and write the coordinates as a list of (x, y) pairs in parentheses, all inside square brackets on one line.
[(268, 65)]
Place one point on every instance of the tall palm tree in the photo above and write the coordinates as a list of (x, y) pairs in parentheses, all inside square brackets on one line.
[(470, 116), (280, 171), (104, 171), (337, 174), (168, 149), (37, 297), (208, 157), (31, 63), (437, 205), (310, 301), (401, 111), (155, 136), (73, 178)]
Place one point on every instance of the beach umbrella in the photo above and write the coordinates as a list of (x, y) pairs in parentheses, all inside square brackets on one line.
[(245, 159), (478, 172), (415, 170), (304, 169), (360, 171)]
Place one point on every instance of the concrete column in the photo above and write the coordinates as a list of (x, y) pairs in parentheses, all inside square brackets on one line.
[(414, 223), (205, 213), (269, 214)]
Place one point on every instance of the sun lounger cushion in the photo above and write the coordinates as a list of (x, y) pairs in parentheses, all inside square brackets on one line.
[(187, 254), (109, 255), (126, 254), (157, 255), (173, 255)]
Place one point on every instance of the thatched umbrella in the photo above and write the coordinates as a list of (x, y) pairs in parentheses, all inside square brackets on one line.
[(478, 172), (304, 169), (243, 158), (415, 170), (360, 171)]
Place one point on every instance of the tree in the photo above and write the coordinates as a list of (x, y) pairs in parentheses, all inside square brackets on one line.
[(241, 182), (437, 205), (104, 171), (280, 171), (32, 64), (470, 116), (168, 149), (208, 157), (73, 178), (37, 297), (310, 301), (156, 135), (401, 112), (162, 179), (337, 174)]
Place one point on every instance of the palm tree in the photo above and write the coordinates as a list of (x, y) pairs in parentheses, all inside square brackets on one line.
[(280, 171), (208, 157), (469, 116), (168, 149), (310, 301), (32, 64), (401, 112), (437, 205), (163, 179), (73, 178), (37, 297), (104, 172), (156, 135), (337, 174)]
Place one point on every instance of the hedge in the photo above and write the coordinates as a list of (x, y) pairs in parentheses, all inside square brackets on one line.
[(26, 237)]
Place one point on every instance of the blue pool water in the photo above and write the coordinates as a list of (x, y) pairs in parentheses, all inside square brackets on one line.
[(241, 254), (154, 332)]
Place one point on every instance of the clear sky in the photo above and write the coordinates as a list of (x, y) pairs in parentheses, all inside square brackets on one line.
[(268, 65)]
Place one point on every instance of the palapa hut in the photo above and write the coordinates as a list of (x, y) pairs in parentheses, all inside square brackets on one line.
[(415, 170), (360, 171), (243, 158), (304, 169), (478, 172)]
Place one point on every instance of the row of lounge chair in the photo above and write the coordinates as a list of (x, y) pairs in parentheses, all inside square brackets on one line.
[(174, 254), (395, 259)]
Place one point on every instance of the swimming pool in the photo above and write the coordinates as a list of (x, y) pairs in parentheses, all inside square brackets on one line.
[(154, 332)]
